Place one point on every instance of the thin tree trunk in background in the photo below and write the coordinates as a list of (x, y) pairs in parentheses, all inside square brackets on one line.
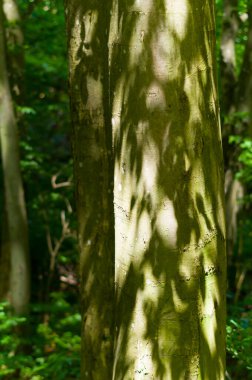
[(15, 63), (228, 55), (87, 25), (14, 194), (4, 260), (234, 192), (237, 95), (168, 192), (244, 90), (15, 48), (237, 191)]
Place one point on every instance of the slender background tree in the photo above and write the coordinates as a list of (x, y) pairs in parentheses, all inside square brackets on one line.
[(16, 218)]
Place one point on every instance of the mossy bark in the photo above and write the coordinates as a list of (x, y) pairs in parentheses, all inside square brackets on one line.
[(170, 265), (169, 219), (87, 26)]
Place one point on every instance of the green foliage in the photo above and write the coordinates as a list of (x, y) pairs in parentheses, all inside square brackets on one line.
[(45, 345), (51, 350), (45, 148), (242, 34), (244, 147), (239, 340)]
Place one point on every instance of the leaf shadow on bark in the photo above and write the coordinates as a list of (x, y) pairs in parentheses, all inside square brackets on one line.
[(157, 119), (166, 146)]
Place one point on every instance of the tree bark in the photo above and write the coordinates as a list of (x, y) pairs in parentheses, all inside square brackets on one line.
[(237, 95), (168, 188), (228, 56), (88, 25), (4, 260), (169, 217), (228, 82), (244, 90), (15, 48), (13, 188)]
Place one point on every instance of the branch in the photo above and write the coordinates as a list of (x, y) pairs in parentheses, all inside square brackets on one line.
[(62, 184)]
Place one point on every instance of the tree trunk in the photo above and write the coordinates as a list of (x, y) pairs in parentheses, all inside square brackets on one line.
[(233, 187), (168, 192), (234, 191), (244, 91), (4, 260), (88, 24), (237, 93), (228, 55), (14, 194), (15, 50)]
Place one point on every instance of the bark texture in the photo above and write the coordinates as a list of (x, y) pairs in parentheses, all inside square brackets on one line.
[(87, 25), (168, 188), (14, 194), (168, 192)]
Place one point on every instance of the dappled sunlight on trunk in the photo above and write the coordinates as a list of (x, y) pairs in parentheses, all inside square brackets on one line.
[(143, 86), (169, 224)]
